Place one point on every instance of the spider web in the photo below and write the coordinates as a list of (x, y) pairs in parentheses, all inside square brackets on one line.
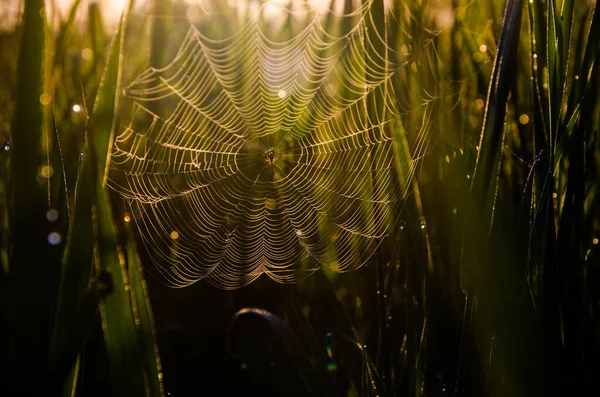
[(251, 155)]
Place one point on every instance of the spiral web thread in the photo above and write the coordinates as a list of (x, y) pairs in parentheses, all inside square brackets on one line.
[(248, 156)]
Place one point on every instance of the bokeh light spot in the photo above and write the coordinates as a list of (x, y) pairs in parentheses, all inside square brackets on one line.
[(54, 238), (87, 54), (52, 215), (45, 99), (47, 171)]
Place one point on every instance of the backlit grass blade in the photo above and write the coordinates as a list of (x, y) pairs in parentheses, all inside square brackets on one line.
[(29, 267), (127, 363), (144, 320), (64, 33), (490, 147), (413, 235)]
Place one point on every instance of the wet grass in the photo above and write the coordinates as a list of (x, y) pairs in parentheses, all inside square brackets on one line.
[(488, 285)]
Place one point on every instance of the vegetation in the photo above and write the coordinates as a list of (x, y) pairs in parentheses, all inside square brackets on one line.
[(487, 285)]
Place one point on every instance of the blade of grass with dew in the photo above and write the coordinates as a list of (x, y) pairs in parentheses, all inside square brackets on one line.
[(77, 259), (76, 267), (127, 372), (126, 359), (490, 147), (485, 276), (28, 269), (144, 319), (414, 236), (571, 238), (65, 363)]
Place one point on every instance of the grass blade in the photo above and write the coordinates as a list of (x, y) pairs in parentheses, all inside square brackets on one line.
[(118, 321), (29, 259), (484, 184), (142, 311)]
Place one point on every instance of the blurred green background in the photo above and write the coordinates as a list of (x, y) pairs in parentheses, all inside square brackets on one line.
[(488, 284)]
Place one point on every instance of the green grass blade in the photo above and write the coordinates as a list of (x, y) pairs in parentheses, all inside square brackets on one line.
[(414, 237), (128, 367), (65, 32), (142, 311), (29, 263), (118, 322), (490, 147), (72, 339)]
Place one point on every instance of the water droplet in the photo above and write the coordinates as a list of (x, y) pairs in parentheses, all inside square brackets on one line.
[(127, 218), (174, 235), (54, 238), (402, 225), (281, 94), (52, 215), (534, 56), (423, 225), (76, 108), (595, 241), (299, 233), (6, 146), (483, 48)]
